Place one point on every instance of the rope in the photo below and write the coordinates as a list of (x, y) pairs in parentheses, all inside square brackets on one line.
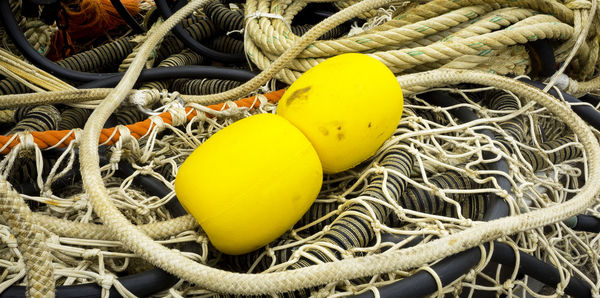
[(30, 241), (63, 138)]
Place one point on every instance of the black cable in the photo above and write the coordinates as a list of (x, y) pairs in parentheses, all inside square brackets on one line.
[(541, 53), (422, 283), (165, 73), (127, 17), (163, 7), (587, 223), (141, 285), (538, 269), (587, 113), (591, 99)]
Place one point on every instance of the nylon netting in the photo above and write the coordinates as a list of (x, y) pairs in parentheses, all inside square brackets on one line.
[(434, 177)]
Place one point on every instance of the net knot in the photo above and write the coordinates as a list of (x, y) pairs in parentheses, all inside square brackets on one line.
[(115, 157), (178, 115), (470, 276), (508, 285), (158, 122), (142, 210), (145, 170), (202, 239), (80, 203), (376, 226), (26, 141), (413, 151), (91, 253), (106, 281), (379, 170)]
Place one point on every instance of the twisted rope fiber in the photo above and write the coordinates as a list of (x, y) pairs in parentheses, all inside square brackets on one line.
[(269, 37), (30, 241), (277, 282)]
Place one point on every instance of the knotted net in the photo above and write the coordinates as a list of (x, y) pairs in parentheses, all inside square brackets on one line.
[(462, 155)]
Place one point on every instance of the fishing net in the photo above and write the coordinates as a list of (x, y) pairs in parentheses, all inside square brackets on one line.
[(478, 192)]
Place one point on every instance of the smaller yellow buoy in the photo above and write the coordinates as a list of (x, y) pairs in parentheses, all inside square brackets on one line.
[(347, 106)]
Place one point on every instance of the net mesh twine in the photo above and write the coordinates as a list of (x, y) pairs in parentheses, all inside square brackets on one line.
[(439, 144), (431, 180)]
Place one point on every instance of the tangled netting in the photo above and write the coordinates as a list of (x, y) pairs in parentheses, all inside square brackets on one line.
[(435, 177), (478, 192)]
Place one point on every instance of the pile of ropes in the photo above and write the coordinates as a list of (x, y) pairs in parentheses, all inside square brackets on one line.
[(485, 188)]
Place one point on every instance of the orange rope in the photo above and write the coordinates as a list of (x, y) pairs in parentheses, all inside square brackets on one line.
[(108, 136)]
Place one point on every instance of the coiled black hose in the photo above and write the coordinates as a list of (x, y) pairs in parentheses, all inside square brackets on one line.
[(13, 30), (194, 45), (35, 118), (224, 18), (414, 285), (16, 35), (164, 73), (73, 118), (202, 87), (226, 44), (451, 268), (587, 113), (186, 57), (197, 28)]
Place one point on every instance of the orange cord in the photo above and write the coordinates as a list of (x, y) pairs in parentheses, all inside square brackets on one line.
[(108, 136)]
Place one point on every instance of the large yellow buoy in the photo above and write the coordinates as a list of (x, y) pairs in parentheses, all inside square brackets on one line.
[(250, 182), (347, 106)]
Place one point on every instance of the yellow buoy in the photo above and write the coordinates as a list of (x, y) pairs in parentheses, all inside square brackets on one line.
[(347, 106), (250, 182)]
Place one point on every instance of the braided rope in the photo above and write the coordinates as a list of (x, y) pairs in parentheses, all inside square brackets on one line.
[(30, 240)]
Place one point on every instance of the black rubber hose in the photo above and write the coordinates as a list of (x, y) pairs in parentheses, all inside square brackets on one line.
[(587, 223), (497, 207), (538, 269), (541, 53), (163, 8), (422, 283), (587, 113), (127, 17), (165, 73), (141, 285), (8, 21), (591, 99)]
